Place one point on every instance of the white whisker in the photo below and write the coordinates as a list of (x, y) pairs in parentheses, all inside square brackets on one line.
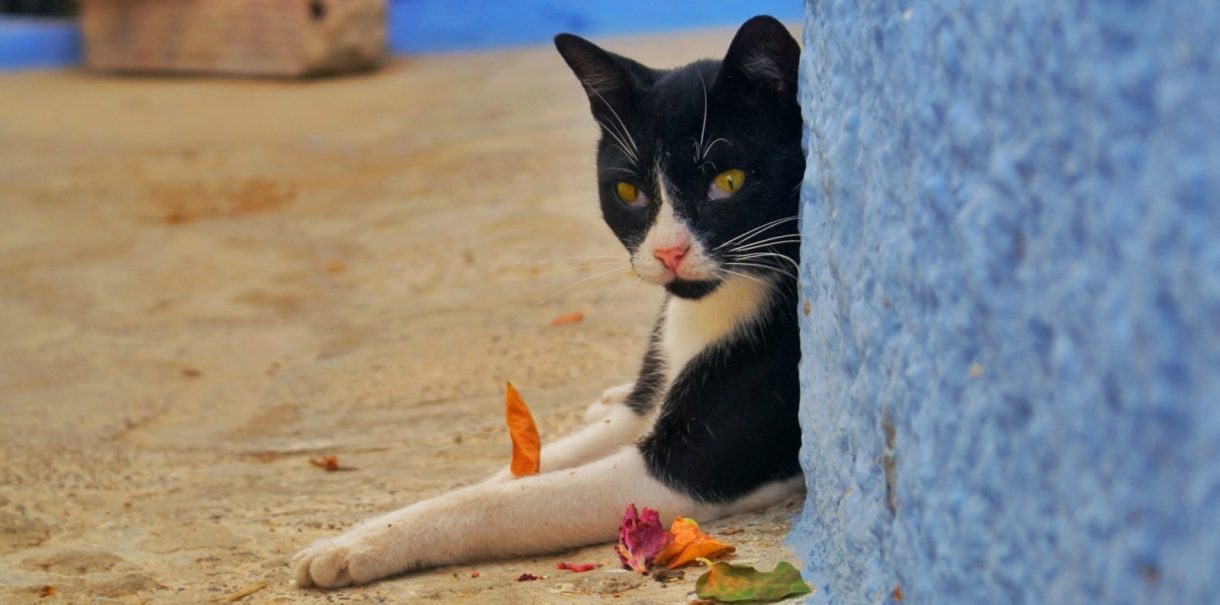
[(787, 238), (755, 231), (609, 297), (760, 255), (616, 117), (739, 274), (580, 267), (601, 274), (621, 144), (713, 144), (702, 129), (590, 257), (763, 247), (771, 268)]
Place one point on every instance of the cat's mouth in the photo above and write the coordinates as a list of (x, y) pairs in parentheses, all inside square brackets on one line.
[(692, 288), (692, 281)]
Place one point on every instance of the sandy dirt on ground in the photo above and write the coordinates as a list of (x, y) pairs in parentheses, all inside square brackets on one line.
[(206, 283)]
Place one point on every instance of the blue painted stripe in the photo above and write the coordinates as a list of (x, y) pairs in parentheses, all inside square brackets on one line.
[(424, 26), (429, 26), (37, 43)]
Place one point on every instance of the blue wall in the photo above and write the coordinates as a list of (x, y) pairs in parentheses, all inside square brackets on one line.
[(1012, 263)]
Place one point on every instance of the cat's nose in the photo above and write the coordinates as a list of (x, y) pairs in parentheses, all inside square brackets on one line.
[(671, 257)]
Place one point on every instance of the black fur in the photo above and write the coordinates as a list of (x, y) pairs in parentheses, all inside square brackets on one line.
[(728, 424), (651, 380)]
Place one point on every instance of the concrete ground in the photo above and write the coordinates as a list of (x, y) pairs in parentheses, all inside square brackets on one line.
[(205, 283)]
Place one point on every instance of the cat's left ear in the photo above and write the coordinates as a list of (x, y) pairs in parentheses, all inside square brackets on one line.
[(765, 54), (609, 79)]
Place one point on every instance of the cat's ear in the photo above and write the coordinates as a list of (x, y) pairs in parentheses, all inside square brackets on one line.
[(763, 53), (607, 78)]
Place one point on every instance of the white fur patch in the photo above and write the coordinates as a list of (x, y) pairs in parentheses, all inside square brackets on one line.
[(693, 325), (669, 232)]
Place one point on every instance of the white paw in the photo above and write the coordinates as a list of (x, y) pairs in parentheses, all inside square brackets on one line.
[(617, 394), (610, 397), (335, 562)]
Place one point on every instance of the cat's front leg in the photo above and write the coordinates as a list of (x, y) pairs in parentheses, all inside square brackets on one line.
[(536, 514)]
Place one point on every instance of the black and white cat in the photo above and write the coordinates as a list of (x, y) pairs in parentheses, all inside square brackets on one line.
[(698, 173)]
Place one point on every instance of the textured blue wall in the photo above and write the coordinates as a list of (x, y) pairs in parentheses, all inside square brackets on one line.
[(1011, 363)]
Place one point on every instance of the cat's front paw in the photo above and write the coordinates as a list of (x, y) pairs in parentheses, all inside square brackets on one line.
[(336, 562), (610, 397)]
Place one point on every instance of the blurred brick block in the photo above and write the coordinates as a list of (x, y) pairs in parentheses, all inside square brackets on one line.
[(285, 38)]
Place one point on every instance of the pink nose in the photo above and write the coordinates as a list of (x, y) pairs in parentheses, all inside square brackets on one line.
[(671, 257)]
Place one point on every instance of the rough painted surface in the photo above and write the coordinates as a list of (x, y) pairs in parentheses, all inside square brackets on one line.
[(1012, 267)]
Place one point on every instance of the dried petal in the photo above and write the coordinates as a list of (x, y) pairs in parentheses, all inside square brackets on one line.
[(527, 445), (689, 543), (528, 577), (574, 317), (640, 538), (728, 583), (576, 567)]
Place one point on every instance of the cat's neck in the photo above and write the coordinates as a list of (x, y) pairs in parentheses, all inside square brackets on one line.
[(690, 326)]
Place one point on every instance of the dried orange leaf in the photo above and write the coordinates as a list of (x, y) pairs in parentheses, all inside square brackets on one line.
[(527, 445), (574, 317), (328, 463), (689, 544)]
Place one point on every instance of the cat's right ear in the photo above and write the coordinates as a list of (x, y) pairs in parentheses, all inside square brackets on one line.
[(607, 78)]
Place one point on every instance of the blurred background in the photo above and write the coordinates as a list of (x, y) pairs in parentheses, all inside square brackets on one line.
[(46, 33)]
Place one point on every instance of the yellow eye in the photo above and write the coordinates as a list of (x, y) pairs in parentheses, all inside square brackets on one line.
[(627, 193), (727, 183)]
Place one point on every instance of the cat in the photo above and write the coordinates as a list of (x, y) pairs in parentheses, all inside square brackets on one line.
[(699, 169)]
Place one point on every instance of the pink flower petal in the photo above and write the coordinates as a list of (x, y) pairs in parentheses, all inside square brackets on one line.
[(640, 537)]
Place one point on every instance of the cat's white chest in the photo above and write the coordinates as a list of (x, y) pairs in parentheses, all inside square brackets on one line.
[(693, 325)]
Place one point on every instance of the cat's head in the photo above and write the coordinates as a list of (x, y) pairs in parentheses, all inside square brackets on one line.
[(699, 167)]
